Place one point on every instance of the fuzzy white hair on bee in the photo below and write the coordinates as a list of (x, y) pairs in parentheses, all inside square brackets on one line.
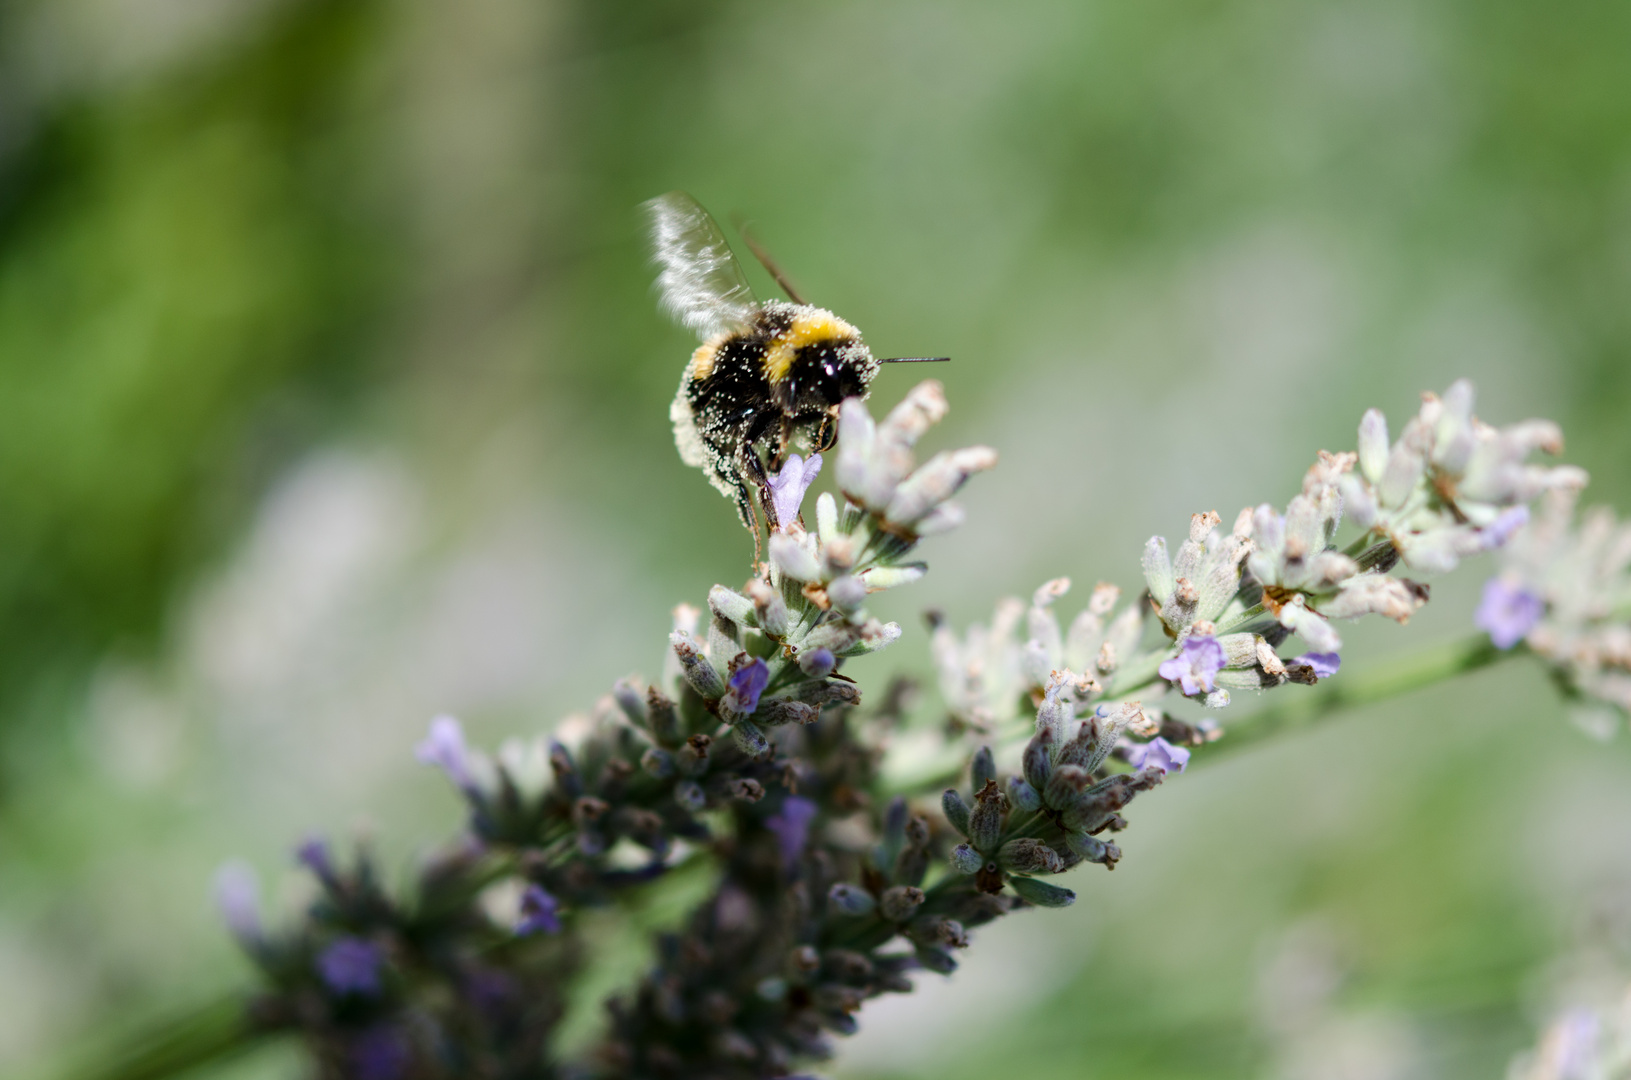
[(768, 375)]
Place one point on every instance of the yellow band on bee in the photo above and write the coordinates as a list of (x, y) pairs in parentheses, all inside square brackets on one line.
[(806, 329)]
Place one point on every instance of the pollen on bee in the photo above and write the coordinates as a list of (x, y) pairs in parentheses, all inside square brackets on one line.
[(702, 361), (810, 327)]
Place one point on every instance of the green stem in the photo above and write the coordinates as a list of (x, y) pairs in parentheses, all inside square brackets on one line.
[(207, 1035), (1386, 680)]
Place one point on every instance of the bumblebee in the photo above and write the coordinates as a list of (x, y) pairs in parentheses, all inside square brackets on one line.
[(768, 376)]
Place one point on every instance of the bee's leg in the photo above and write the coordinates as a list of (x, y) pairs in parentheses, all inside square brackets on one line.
[(744, 508), (827, 434), (753, 472)]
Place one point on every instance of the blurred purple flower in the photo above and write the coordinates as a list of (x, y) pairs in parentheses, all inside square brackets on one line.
[(791, 825), (350, 965), (1325, 664), (380, 1053), (314, 856), (1499, 531), (444, 747), (1195, 668), (788, 486), (538, 912), (237, 895), (747, 684), (1508, 612), (1158, 754)]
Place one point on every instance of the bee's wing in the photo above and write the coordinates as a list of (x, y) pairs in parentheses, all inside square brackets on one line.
[(701, 284)]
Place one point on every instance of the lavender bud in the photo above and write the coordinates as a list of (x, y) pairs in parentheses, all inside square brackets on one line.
[(769, 608), (900, 903), (793, 559), (750, 738), (732, 605), (817, 663), (984, 767), (1158, 569), (936, 959), (698, 671), (1373, 445), (1067, 782), (774, 712), (826, 517), (657, 762), (1029, 856), (847, 593), (985, 823), (1041, 893), (874, 636), (942, 519), (879, 578), (1023, 795), (748, 791), (965, 860), (1037, 761), (631, 698), (851, 900), (955, 809), (689, 794), (662, 717)]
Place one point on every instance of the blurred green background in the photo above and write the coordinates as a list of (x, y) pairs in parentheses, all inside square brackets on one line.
[(333, 396)]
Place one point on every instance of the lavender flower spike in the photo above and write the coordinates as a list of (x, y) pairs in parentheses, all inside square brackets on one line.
[(1195, 668), (1508, 612), (351, 965), (237, 895), (792, 827), (788, 486), (444, 748), (1158, 754), (1324, 664), (538, 912)]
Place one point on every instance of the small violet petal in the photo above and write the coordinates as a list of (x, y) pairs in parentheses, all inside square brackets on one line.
[(747, 684), (444, 748), (1195, 668), (1158, 754), (351, 965), (792, 827), (788, 486), (1508, 612), (1499, 531), (1325, 664), (538, 912), (381, 1053)]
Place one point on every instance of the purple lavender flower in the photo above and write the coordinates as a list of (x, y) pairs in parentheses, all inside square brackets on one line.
[(380, 1053), (538, 912), (792, 827), (787, 487), (1158, 754), (350, 965), (314, 856), (1325, 664), (1195, 668), (237, 895), (1499, 531), (817, 663), (444, 748), (746, 684), (1508, 612)]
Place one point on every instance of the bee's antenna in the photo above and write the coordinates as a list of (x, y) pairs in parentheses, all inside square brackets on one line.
[(916, 360), (752, 241)]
